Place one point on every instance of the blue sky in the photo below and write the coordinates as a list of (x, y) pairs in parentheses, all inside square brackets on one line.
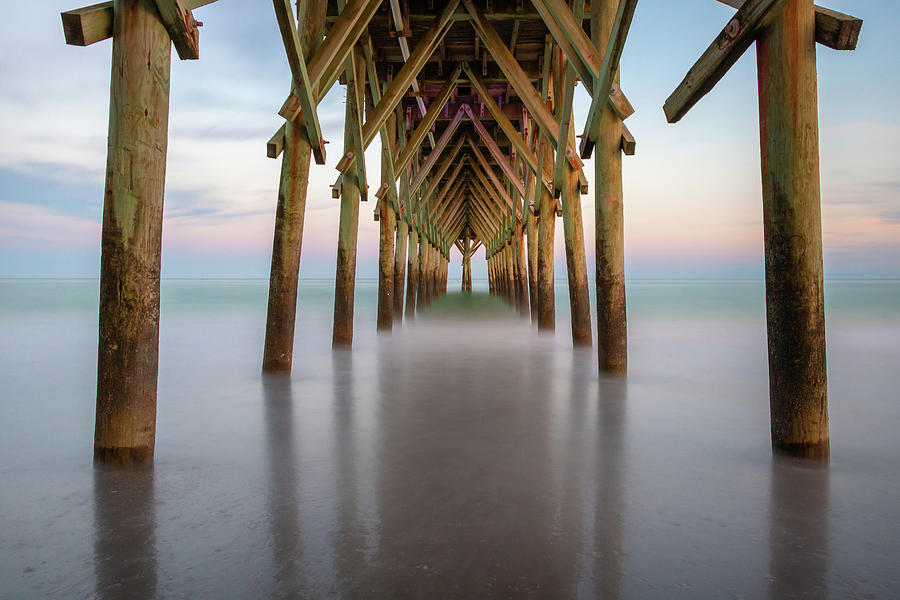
[(692, 193)]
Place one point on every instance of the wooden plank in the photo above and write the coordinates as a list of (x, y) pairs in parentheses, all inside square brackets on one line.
[(629, 145), (565, 155), (503, 121), (275, 145), (564, 26), (443, 168), (423, 51), (833, 29), (495, 151), (91, 24), (179, 21), (332, 53), (424, 127), (435, 154), (330, 58), (513, 71), (487, 171), (604, 81), (725, 50), (302, 87), (355, 70)]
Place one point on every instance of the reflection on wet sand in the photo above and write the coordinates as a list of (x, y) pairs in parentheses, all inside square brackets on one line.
[(283, 483), (125, 563), (798, 530)]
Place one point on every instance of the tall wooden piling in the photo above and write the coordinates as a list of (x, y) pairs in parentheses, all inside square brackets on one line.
[(786, 62), (412, 273), (400, 267), (348, 228), (546, 235), (421, 283), (521, 269), (576, 262), (531, 234), (612, 338), (386, 260), (387, 229), (290, 212), (128, 358)]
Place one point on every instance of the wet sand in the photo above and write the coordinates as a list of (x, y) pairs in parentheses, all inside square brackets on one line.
[(456, 458)]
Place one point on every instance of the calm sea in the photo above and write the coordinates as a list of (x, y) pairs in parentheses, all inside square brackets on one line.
[(463, 456)]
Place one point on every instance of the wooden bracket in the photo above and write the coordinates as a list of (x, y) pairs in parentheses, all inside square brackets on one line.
[(740, 32), (91, 24)]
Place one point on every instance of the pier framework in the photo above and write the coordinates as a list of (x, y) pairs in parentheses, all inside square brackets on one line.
[(471, 101)]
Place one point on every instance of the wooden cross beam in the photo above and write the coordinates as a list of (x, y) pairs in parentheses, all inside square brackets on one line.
[(301, 85), (389, 185), (442, 169), (355, 88), (424, 126), (603, 84), (565, 154), (402, 25), (489, 180), (496, 152), (438, 148), (331, 55), (451, 190), (725, 50), (91, 24), (486, 170), (833, 29), (513, 71), (504, 123), (410, 70)]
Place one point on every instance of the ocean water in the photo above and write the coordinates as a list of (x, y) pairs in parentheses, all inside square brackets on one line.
[(462, 456)]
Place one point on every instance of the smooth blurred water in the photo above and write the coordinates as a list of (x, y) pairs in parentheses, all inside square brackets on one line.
[(463, 456)]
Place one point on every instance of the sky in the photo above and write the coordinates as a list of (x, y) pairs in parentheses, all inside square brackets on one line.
[(693, 206)]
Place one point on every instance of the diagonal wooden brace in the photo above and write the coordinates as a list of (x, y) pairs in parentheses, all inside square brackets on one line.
[(302, 88), (726, 49), (604, 81)]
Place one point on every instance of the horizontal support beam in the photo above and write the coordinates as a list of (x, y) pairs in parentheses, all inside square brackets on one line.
[(92, 24), (833, 29)]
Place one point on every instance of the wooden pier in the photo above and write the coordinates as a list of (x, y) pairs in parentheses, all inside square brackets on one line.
[(472, 103)]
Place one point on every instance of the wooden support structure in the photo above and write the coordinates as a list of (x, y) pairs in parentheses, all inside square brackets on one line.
[(348, 229), (609, 280), (284, 275), (785, 33), (387, 228), (502, 169), (143, 32)]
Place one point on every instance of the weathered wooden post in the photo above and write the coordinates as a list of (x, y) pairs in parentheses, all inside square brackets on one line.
[(128, 358), (521, 267), (786, 32), (420, 278), (345, 274), (412, 272), (795, 302), (612, 338), (400, 266), (387, 227), (128, 362), (546, 235), (289, 214)]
